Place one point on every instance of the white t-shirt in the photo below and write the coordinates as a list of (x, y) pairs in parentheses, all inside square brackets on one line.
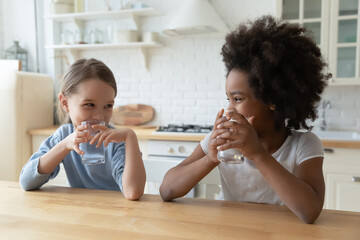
[(244, 182)]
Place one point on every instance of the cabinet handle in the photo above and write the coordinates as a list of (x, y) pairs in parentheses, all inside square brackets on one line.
[(328, 150), (355, 179)]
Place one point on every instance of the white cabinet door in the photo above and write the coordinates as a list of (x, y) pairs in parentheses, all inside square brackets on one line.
[(334, 26), (312, 14), (344, 191), (344, 42), (342, 179)]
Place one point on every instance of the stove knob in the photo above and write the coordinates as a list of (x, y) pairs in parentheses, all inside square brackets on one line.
[(182, 149), (170, 150)]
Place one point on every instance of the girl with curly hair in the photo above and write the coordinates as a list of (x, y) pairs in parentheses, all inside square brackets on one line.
[(275, 77)]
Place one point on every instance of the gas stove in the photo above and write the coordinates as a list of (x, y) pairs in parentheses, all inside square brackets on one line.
[(185, 128)]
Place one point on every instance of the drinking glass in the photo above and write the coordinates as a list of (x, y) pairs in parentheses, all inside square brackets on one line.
[(231, 155), (92, 154)]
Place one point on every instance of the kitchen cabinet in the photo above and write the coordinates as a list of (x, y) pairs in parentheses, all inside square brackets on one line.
[(312, 14), (344, 42), (342, 179), (334, 27), (80, 20)]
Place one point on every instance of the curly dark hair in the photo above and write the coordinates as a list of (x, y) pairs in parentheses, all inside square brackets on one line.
[(285, 68)]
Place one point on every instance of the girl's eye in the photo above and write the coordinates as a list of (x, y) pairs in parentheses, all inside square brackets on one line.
[(89, 105), (109, 106), (237, 99)]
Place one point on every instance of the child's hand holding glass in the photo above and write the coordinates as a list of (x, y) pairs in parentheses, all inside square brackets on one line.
[(107, 135), (240, 138), (78, 136), (214, 140)]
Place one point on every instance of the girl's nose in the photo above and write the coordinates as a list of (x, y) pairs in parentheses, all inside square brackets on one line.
[(229, 108), (98, 116)]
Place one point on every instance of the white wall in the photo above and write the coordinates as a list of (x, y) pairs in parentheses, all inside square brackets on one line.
[(185, 81), (18, 22), (1, 31)]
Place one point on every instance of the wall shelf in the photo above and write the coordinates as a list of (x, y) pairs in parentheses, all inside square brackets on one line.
[(87, 16), (104, 46), (74, 48), (78, 18)]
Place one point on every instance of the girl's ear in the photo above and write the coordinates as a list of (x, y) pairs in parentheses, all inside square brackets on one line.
[(63, 102), (272, 107)]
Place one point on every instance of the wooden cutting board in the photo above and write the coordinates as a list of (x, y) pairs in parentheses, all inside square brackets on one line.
[(132, 114)]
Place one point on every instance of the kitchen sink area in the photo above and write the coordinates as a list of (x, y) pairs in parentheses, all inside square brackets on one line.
[(338, 135)]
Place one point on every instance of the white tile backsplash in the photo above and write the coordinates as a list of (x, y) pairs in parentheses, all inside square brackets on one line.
[(344, 113)]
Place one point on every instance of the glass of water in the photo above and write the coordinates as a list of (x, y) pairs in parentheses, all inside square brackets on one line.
[(231, 155), (92, 154)]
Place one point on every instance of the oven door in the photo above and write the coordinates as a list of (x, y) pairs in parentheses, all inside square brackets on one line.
[(164, 155), (157, 166)]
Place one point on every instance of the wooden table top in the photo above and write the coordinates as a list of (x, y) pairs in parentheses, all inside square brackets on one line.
[(70, 213)]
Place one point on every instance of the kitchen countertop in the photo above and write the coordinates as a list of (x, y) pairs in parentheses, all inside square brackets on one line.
[(142, 132), (54, 212), (146, 133)]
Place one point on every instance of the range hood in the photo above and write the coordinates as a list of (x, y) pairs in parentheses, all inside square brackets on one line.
[(196, 17)]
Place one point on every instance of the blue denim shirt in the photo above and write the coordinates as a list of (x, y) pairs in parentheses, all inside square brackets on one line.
[(106, 176)]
